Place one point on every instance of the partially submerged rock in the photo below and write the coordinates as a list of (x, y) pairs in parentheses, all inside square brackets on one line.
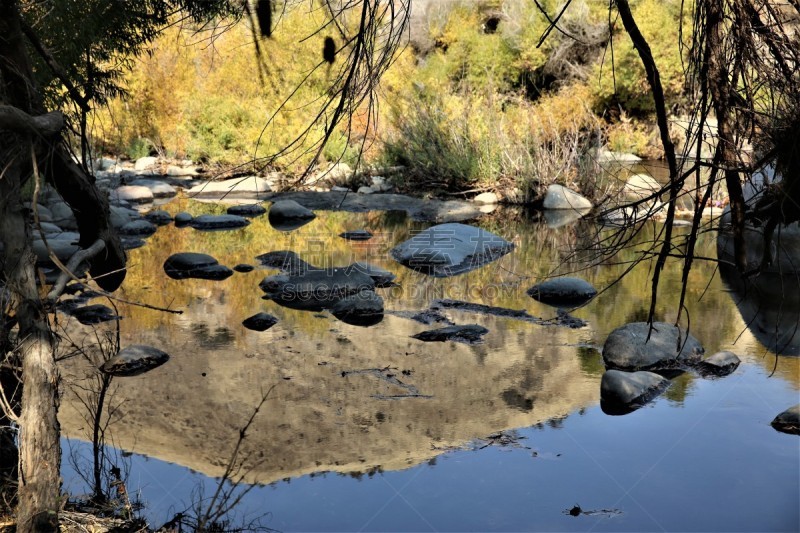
[(560, 197), (247, 210), (287, 215), (563, 292), (381, 277), (183, 219), (159, 217), (195, 265), (623, 392), (218, 222), (468, 334), (315, 290), (139, 227), (628, 348), (364, 308), (356, 235), (135, 194), (134, 360), (718, 365), (788, 421), (94, 314), (260, 322), (450, 249)]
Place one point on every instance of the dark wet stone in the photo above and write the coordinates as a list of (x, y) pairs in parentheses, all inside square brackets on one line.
[(356, 235), (284, 260), (450, 249), (315, 290), (287, 215), (194, 265), (159, 217), (623, 392), (718, 365), (627, 348), (218, 222), (134, 360), (260, 322), (138, 228), (468, 334), (94, 314), (563, 292), (788, 421), (381, 277), (63, 248), (244, 268), (364, 308), (248, 210), (183, 219)]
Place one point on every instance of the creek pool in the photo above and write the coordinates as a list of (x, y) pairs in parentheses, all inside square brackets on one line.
[(506, 435)]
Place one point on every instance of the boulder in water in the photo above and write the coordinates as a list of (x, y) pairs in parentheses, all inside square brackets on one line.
[(218, 222), (718, 365), (287, 215), (623, 392), (668, 348), (134, 360), (468, 334), (788, 421), (195, 265), (315, 290), (260, 322), (563, 292)]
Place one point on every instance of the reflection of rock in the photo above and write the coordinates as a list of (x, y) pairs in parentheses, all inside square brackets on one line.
[(260, 322), (563, 292), (468, 334), (628, 347), (286, 215), (623, 392), (194, 265), (94, 314), (770, 301), (788, 421), (285, 261), (365, 308), (719, 364), (134, 360), (450, 249), (556, 218), (315, 290), (139, 227), (183, 219)]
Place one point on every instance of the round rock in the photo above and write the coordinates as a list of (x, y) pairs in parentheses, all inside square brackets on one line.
[(138, 228), (718, 365), (183, 219), (563, 292), (560, 197), (364, 308), (468, 334), (788, 421), (356, 235), (134, 360), (195, 265), (286, 215), (243, 267), (94, 314), (260, 322), (628, 348)]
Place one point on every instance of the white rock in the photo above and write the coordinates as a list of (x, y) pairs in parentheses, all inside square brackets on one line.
[(132, 193), (365, 190), (560, 197), (174, 170), (486, 198), (144, 163), (251, 186)]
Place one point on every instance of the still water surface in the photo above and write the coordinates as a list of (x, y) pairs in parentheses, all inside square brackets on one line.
[(333, 454)]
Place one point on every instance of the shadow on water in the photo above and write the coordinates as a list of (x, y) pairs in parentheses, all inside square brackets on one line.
[(341, 402)]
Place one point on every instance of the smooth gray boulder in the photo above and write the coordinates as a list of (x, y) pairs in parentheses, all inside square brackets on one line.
[(135, 194), (623, 392), (468, 334), (260, 322), (63, 248), (450, 249), (640, 186), (718, 365), (247, 210), (315, 290), (287, 215), (134, 360), (788, 421), (159, 217), (669, 348), (356, 235), (218, 222), (563, 292), (138, 228), (558, 218), (63, 215), (364, 308), (48, 228), (560, 197), (195, 265)]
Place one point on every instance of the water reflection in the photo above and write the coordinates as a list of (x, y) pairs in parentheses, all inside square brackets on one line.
[(341, 400)]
